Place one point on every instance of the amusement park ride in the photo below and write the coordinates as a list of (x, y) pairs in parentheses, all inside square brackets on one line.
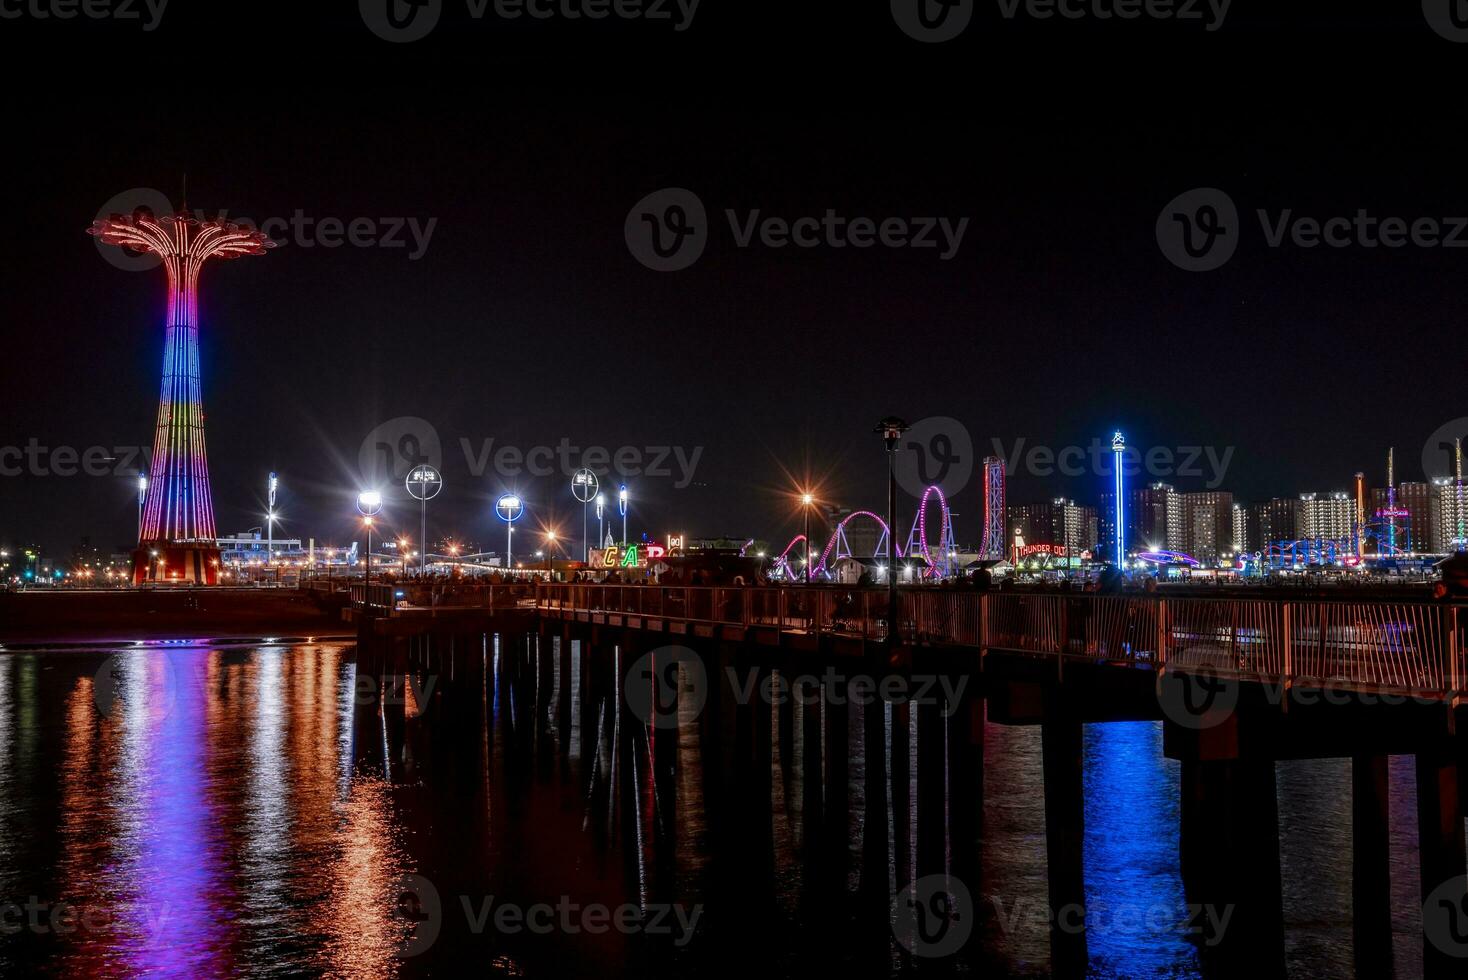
[(938, 560), (177, 541)]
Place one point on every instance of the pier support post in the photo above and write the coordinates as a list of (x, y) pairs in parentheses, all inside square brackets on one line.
[(1371, 895), (1440, 850), (1061, 745)]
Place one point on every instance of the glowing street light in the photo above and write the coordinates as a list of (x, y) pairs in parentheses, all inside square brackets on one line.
[(369, 505), (622, 506), (806, 500), (891, 429), (142, 495), (509, 508), (270, 517), (601, 524)]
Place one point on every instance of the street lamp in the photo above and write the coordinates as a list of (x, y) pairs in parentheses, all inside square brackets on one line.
[(891, 429), (142, 494), (270, 518), (622, 506), (584, 486), (601, 524), (806, 501), (369, 505), (509, 508)]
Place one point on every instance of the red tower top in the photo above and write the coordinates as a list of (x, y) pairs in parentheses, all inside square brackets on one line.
[(181, 234)]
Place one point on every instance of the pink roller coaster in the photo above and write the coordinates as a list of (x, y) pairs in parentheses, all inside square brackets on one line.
[(938, 563)]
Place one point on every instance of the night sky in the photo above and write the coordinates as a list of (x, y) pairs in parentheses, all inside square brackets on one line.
[(527, 320)]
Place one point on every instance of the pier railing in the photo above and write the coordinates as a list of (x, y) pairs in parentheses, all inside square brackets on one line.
[(1411, 646)]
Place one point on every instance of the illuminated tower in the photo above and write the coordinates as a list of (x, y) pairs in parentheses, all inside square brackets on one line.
[(177, 541), (1118, 450), (995, 529)]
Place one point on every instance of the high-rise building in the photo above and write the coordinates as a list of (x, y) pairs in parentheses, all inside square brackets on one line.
[(1326, 517), (1059, 523), (1240, 528), (1419, 501), (1154, 518), (1272, 521), (1207, 519), (1450, 515)]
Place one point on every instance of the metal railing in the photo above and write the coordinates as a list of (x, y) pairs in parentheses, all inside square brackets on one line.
[(1415, 646)]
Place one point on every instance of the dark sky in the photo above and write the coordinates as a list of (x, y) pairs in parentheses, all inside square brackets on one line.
[(528, 321)]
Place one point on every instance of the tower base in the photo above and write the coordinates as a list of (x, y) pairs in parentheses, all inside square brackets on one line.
[(176, 563)]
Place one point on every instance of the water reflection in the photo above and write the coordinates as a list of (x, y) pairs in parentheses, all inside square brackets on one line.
[(311, 809)]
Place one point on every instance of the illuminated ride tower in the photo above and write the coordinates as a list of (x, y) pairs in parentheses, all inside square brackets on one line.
[(177, 542)]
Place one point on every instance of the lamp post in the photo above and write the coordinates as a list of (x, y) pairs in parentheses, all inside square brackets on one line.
[(270, 518), (584, 486), (142, 495), (806, 500), (601, 524), (891, 429), (622, 506), (509, 508), (423, 484), (369, 505)]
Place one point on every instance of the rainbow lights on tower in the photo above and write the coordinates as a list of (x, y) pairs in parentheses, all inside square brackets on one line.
[(177, 540)]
